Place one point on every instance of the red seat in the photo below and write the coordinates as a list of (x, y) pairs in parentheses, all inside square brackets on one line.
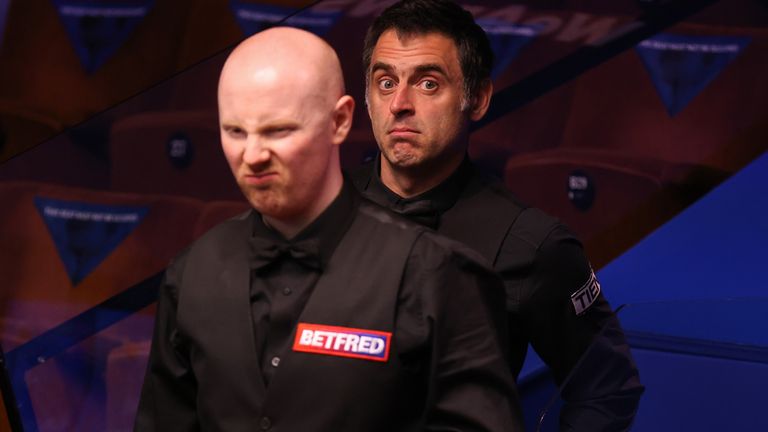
[(126, 367), (22, 128), (41, 68), (66, 390), (176, 153), (610, 199), (617, 108), (57, 160), (37, 287)]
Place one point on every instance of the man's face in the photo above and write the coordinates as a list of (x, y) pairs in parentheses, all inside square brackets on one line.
[(415, 98), (277, 136)]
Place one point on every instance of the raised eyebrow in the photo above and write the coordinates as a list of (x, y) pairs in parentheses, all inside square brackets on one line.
[(429, 67), (380, 66)]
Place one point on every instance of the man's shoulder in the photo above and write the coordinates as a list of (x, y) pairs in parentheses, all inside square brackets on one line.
[(210, 249), (438, 248), (234, 226), (536, 229), (442, 250), (531, 228), (530, 225), (485, 193), (220, 238)]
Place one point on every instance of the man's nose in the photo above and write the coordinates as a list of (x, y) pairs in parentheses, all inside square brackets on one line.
[(401, 102), (255, 151)]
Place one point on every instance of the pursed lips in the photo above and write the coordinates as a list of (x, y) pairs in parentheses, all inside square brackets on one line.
[(402, 131), (259, 178)]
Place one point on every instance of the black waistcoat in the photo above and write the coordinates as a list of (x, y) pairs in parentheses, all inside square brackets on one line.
[(481, 216), (309, 392)]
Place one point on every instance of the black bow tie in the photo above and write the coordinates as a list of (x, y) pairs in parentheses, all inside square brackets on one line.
[(420, 212), (265, 251)]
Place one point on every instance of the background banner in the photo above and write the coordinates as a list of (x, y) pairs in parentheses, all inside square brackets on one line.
[(682, 66), (507, 40), (253, 17), (97, 29), (85, 234)]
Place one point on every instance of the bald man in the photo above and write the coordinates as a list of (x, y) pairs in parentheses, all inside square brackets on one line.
[(317, 310)]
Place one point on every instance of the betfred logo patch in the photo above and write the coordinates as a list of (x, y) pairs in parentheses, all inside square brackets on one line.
[(342, 342), (586, 295)]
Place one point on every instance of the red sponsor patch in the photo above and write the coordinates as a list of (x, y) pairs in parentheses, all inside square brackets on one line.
[(342, 341)]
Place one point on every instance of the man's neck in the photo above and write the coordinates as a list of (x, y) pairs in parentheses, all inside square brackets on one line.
[(408, 183), (290, 227)]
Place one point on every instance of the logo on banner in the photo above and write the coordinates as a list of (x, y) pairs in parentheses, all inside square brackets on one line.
[(97, 29), (507, 40), (682, 66), (342, 342), (85, 234), (254, 17)]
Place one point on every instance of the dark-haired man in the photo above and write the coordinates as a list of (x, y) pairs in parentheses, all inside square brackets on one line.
[(427, 68), (318, 310)]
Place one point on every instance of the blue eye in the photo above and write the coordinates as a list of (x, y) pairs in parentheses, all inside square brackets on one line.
[(386, 84), (428, 85)]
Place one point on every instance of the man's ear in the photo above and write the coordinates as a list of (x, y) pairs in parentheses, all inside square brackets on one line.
[(342, 118), (481, 101)]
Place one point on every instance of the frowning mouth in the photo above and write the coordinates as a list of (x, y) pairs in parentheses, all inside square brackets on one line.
[(259, 179)]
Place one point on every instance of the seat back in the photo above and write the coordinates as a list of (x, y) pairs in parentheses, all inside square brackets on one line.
[(171, 153)]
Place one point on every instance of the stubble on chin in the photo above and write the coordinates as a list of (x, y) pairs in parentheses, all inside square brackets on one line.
[(262, 199), (402, 155)]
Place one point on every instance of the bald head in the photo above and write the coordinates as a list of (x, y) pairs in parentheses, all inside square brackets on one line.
[(283, 114), (289, 54)]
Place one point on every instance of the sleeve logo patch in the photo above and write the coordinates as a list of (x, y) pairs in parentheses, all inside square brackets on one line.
[(586, 295), (342, 342)]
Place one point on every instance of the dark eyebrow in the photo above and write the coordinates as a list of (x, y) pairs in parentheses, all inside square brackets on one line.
[(430, 67), (387, 68), (419, 70)]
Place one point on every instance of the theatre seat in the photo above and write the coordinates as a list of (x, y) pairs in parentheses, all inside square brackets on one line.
[(171, 152), (42, 228), (39, 288), (615, 107), (126, 367), (58, 160), (610, 199), (42, 67), (22, 128)]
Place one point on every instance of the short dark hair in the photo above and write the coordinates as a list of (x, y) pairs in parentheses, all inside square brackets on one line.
[(419, 17)]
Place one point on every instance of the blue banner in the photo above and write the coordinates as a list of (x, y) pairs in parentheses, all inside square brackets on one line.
[(85, 234), (682, 66), (507, 40), (253, 18), (98, 29)]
